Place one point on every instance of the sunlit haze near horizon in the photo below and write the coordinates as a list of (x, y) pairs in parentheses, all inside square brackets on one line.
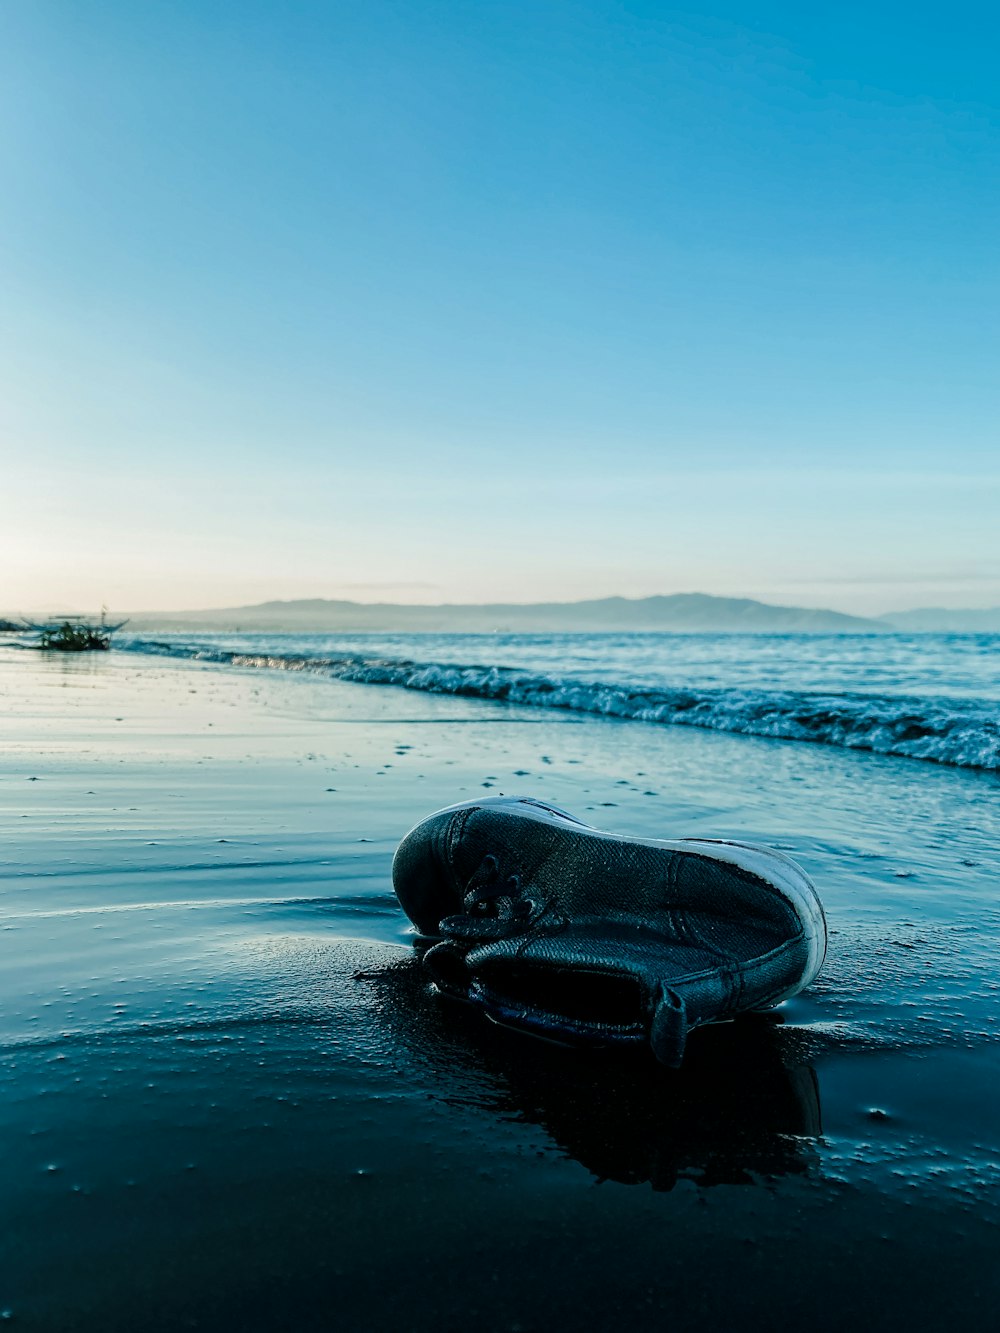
[(471, 302)]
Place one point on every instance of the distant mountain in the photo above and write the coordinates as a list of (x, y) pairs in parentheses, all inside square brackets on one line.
[(680, 613), (940, 621)]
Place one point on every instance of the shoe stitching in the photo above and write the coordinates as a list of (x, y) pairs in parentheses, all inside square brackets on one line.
[(730, 969)]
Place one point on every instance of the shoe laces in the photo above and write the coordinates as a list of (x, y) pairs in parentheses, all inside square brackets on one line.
[(495, 904)]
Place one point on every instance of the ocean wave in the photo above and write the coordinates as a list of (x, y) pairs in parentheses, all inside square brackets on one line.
[(964, 734)]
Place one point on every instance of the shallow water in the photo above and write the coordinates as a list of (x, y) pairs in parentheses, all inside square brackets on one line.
[(929, 697), (212, 1120)]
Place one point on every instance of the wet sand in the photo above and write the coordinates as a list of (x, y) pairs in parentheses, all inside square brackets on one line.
[(230, 1102)]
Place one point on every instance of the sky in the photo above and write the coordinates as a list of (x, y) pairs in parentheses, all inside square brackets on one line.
[(461, 300)]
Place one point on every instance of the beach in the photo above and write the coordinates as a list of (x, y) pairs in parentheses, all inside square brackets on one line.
[(230, 1100)]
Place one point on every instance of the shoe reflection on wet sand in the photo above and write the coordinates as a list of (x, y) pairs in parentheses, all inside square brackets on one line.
[(736, 1112)]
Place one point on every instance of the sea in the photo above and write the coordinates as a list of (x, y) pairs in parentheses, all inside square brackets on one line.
[(230, 1100), (930, 697)]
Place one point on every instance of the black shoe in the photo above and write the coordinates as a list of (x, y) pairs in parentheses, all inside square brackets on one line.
[(558, 929)]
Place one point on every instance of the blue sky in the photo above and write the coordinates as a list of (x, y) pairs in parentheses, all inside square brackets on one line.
[(482, 301)]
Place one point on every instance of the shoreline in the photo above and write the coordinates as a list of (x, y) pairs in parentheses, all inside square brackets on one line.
[(960, 730)]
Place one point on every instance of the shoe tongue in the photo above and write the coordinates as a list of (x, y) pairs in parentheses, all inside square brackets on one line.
[(471, 843), (520, 846)]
